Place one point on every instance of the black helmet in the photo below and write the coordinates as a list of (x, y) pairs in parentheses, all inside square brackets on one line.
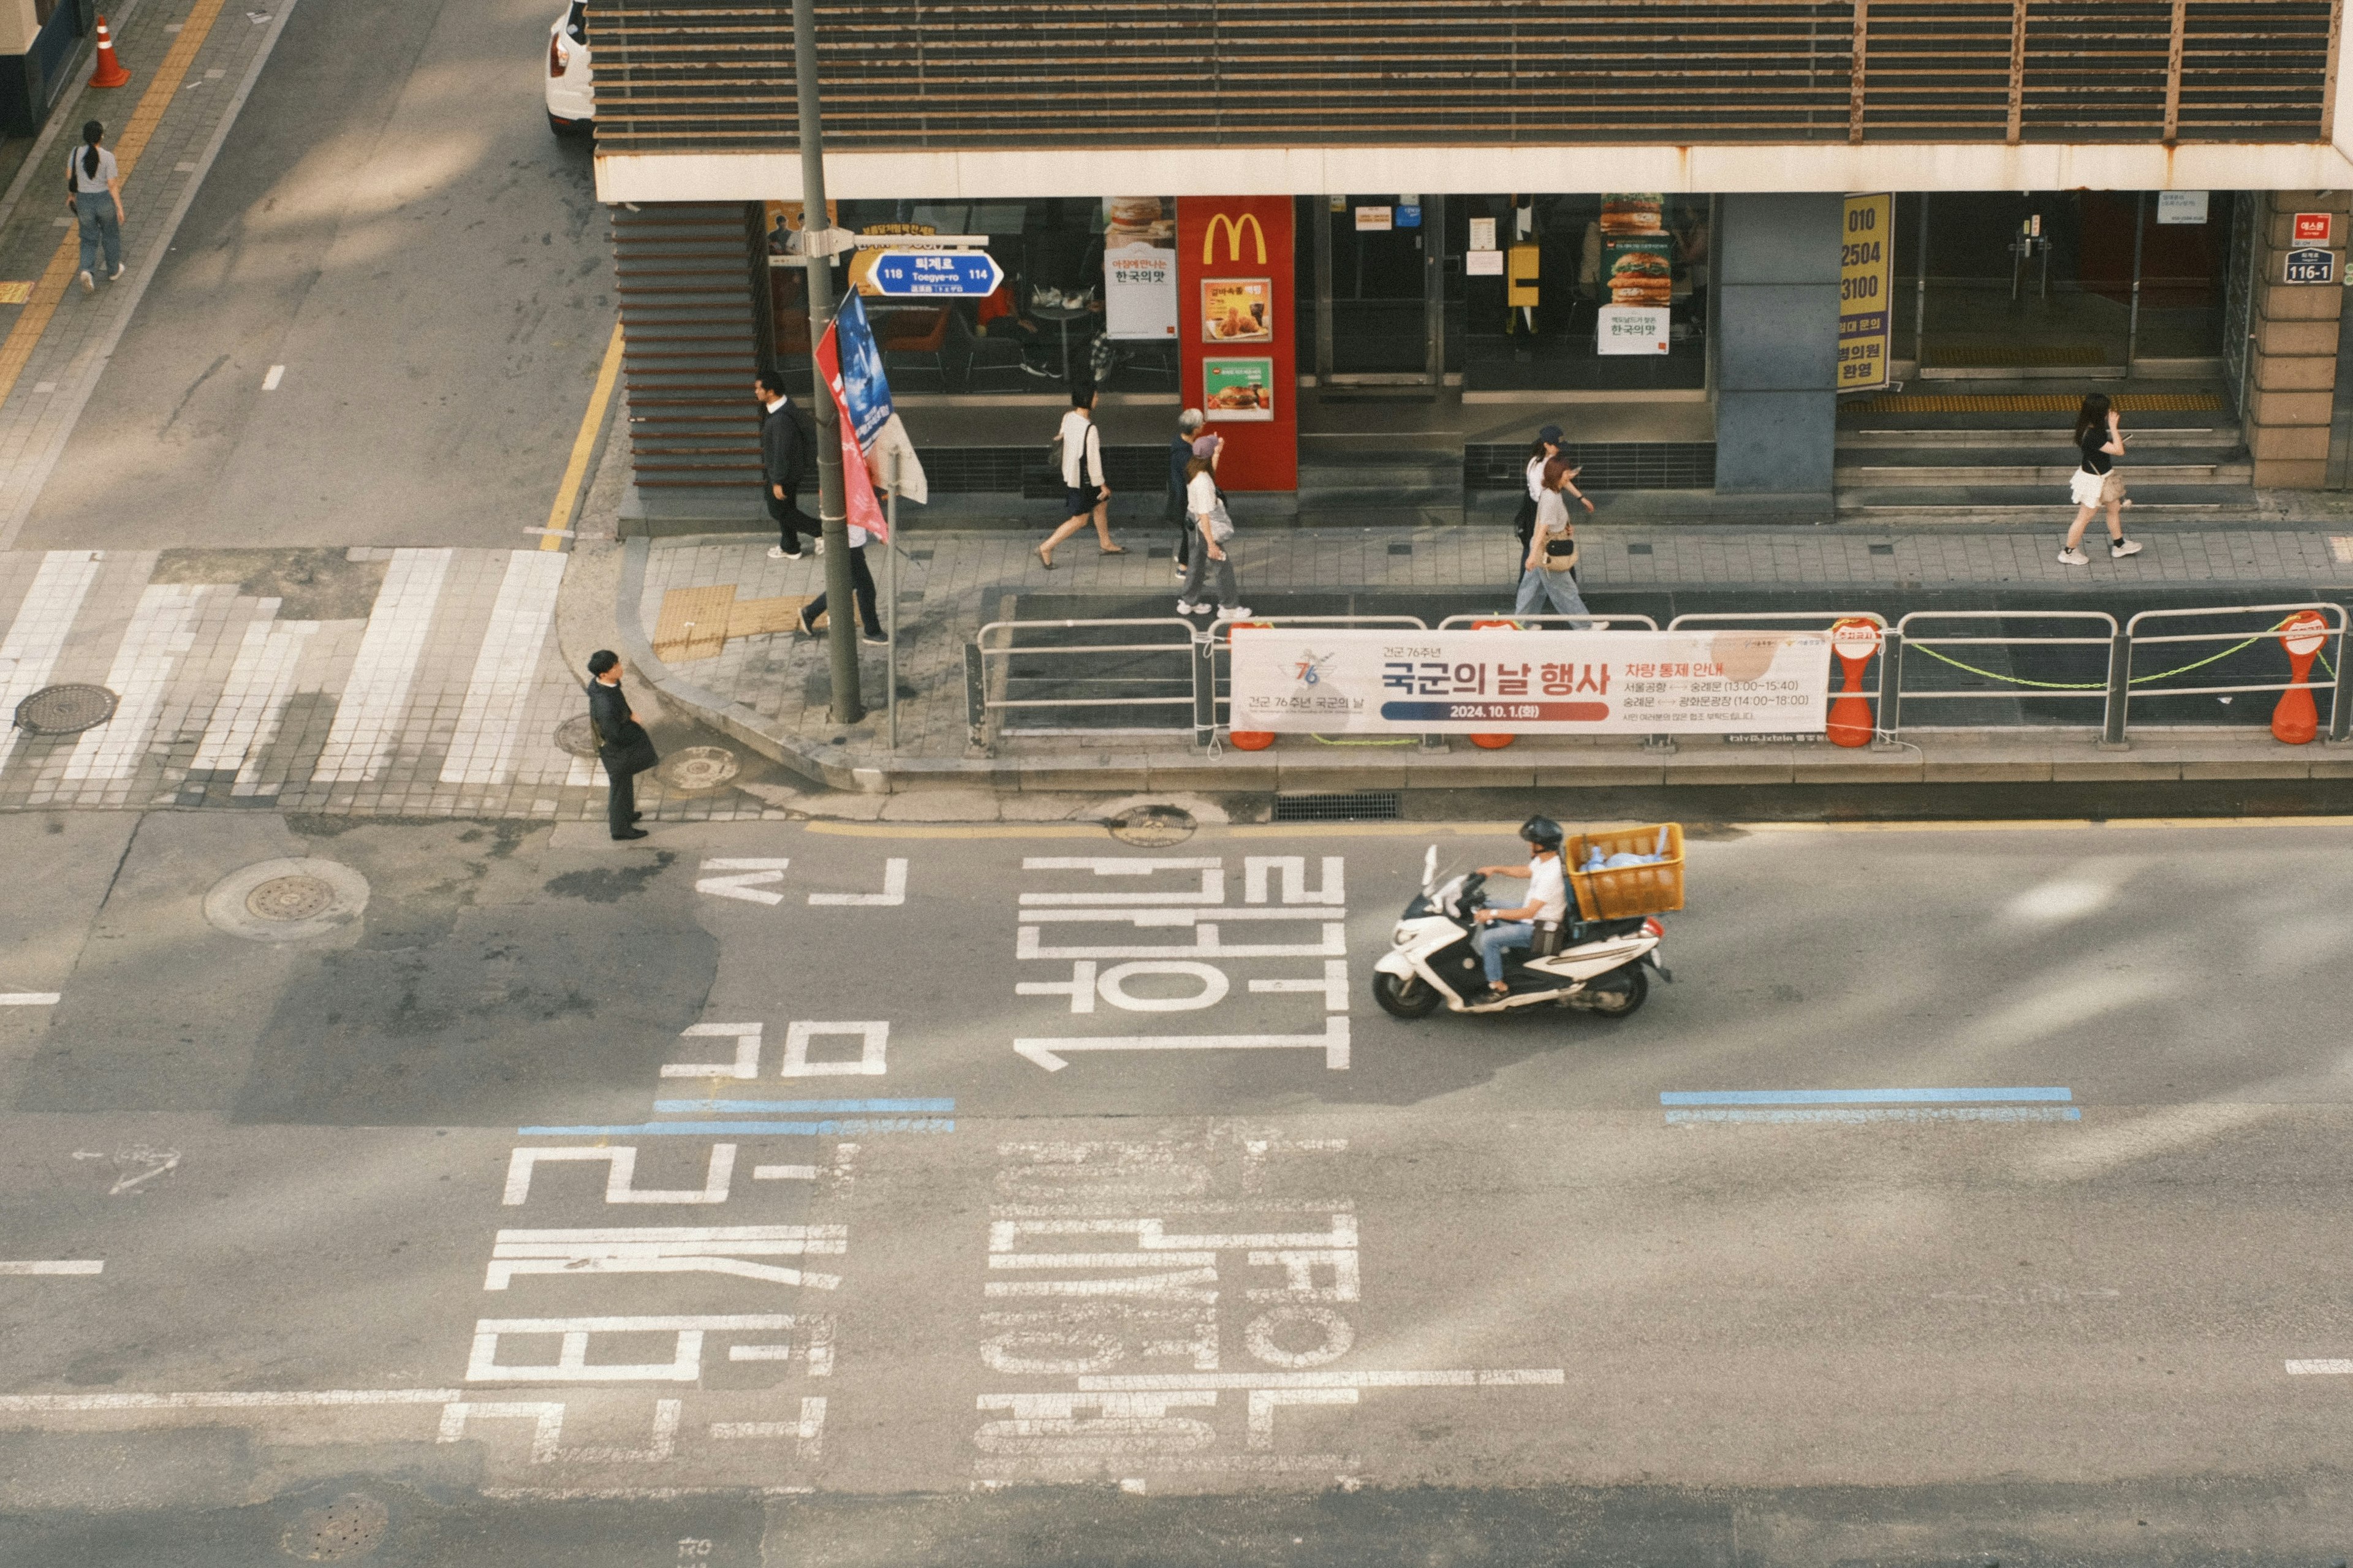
[(1542, 831)]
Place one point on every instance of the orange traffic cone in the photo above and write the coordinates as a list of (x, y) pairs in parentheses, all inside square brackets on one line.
[(110, 71)]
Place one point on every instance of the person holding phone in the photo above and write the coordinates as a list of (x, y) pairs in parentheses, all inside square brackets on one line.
[(2100, 438), (1545, 576)]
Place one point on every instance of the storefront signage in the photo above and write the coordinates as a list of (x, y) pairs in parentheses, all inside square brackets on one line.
[(1140, 293), (2181, 206), (1482, 263), (1313, 680), (1237, 311), (2311, 229), (1238, 389), (1483, 234), (1630, 329), (1406, 216), (1867, 284), (961, 274), (2314, 266), (1373, 218)]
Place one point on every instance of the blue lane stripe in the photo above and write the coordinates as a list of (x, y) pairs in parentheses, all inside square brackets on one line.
[(1860, 1096), (1888, 1113), (814, 1107), (851, 1126)]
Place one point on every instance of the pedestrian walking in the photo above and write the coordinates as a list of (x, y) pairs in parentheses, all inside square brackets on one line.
[(2100, 438), (1211, 549), (94, 193), (622, 743), (784, 448), (1545, 448), (862, 588), (1083, 477), (1180, 457), (1547, 572)]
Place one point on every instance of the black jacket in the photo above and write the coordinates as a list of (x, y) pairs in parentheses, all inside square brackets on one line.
[(608, 710), (783, 446)]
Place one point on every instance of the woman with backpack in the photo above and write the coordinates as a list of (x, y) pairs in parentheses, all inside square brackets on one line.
[(94, 192)]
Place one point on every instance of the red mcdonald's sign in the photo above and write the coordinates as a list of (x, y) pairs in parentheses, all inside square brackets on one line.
[(1237, 335)]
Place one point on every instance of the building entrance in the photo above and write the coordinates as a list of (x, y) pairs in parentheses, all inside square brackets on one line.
[(1379, 290), (2066, 283)]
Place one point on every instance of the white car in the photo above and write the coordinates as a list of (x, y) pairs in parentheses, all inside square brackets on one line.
[(571, 110)]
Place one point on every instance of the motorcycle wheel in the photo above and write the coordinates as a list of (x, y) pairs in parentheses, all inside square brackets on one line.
[(1618, 994), (1411, 997)]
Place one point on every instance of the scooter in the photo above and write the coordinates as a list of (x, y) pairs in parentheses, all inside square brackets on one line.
[(1595, 966)]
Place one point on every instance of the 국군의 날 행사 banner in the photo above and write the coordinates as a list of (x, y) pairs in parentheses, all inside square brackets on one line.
[(1303, 680)]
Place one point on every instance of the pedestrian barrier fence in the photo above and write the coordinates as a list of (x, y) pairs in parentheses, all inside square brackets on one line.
[(1019, 678)]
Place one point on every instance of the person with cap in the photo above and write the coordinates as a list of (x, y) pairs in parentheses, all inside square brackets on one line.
[(1180, 456), (1503, 929), (622, 743)]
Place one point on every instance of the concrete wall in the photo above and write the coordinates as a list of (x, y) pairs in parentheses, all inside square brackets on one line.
[(2292, 376), (1777, 275)]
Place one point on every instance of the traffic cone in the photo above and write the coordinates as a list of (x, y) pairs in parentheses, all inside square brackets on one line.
[(110, 71)]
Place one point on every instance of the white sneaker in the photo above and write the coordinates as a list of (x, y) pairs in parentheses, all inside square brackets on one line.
[(2122, 548), (117, 274), (1186, 609), (87, 286), (2074, 558), (1233, 612)]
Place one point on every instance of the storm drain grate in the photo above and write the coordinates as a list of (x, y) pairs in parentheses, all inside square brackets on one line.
[(1637, 549), (64, 710), (1365, 805)]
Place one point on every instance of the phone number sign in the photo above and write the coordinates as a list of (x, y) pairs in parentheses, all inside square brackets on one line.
[(1318, 681)]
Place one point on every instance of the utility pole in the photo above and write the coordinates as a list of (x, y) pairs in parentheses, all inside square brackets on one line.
[(817, 256)]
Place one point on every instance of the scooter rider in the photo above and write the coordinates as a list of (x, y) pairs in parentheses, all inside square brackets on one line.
[(1499, 929)]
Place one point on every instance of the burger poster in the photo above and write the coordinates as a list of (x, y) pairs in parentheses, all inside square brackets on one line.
[(1639, 273), (1237, 311), (1238, 389)]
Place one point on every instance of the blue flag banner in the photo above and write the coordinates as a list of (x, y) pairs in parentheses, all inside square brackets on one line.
[(864, 390)]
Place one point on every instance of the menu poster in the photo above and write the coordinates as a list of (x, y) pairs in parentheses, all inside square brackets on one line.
[(1630, 329), (1238, 389), (1140, 293), (1237, 311), (1639, 273)]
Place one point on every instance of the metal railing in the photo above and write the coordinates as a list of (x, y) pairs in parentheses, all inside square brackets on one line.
[(1194, 661)]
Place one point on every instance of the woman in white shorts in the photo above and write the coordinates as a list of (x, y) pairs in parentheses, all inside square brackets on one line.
[(2095, 482)]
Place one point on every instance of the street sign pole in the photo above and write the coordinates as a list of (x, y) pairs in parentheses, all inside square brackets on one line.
[(833, 506), (890, 654)]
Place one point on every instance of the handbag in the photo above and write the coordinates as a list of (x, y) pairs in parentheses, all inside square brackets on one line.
[(1221, 522), (634, 755), (1523, 522)]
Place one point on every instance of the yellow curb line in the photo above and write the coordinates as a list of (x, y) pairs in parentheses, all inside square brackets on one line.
[(17, 352), (568, 494), (1505, 829)]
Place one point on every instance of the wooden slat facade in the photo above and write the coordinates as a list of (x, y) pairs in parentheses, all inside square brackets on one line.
[(717, 75), (691, 334)]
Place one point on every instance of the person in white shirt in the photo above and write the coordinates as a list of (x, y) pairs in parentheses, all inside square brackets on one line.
[(1202, 504), (862, 588), (1082, 478), (1502, 930), (95, 186)]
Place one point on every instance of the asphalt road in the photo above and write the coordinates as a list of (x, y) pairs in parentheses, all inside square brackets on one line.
[(879, 1284), (390, 220)]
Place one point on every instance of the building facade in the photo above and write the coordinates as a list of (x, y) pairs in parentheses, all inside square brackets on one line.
[(1737, 249)]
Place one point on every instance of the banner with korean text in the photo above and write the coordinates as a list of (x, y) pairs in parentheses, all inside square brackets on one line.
[(1866, 293), (1316, 680)]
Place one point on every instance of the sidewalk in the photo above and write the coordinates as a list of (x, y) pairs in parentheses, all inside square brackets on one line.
[(699, 618)]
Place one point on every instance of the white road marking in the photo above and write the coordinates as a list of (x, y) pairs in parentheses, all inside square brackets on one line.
[(1333, 986), (667, 1249), (159, 1161), (547, 1415), (1263, 1403), (490, 724), (1332, 1041), (809, 1431), (1080, 988), (375, 698), (245, 718), (1211, 891), (874, 1038), (750, 876), (2327, 1368), (37, 636), (28, 998), (747, 1051), (784, 1172), (277, 373), (250, 1399), (56, 1266), (622, 1166), (893, 893), (1529, 1377), (161, 631), (1111, 985), (1206, 940), (571, 1365), (1293, 871)]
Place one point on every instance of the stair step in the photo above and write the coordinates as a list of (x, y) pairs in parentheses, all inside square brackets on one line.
[(1940, 438), (1977, 476), (2038, 500)]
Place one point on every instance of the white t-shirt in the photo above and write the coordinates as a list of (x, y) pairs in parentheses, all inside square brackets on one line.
[(86, 184), (1201, 495), (1535, 477), (1082, 442), (1548, 887)]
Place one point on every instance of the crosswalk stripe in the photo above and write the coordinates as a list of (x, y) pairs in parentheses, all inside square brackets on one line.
[(375, 698), (490, 724), (37, 636), (245, 720), (161, 630)]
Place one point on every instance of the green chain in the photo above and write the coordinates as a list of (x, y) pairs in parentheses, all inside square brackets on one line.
[(2102, 685)]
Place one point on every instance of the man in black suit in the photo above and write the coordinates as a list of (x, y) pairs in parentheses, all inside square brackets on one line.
[(622, 743), (783, 446)]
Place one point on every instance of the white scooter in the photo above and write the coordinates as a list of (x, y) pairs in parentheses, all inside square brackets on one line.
[(1596, 966)]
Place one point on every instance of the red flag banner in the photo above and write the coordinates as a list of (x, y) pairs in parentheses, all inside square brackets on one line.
[(857, 484)]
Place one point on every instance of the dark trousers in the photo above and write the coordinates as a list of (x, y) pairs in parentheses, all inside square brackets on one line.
[(791, 522), (862, 584), (621, 801), (1187, 532)]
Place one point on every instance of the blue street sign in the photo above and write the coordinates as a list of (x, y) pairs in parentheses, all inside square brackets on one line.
[(2313, 266), (934, 272)]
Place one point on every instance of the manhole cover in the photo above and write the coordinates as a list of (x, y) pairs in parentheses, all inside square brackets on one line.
[(698, 767), (577, 735), (64, 710), (351, 1526), (290, 898), (1152, 827)]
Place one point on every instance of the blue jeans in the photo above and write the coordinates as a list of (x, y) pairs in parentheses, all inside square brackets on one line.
[(1550, 592), (100, 229), (1492, 938)]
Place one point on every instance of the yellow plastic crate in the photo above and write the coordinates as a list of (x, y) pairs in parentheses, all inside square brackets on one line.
[(1629, 890)]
